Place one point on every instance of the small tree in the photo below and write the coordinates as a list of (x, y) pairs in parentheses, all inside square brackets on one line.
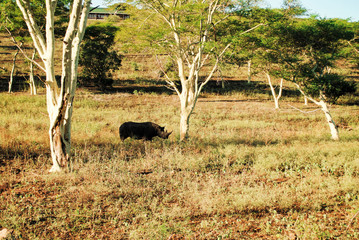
[(244, 46), (96, 57), (13, 70), (267, 61), (309, 50), (262, 47)]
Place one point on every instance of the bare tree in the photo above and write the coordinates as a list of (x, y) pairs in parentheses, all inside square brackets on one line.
[(32, 84), (59, 97), (276, 96), (11, 80)]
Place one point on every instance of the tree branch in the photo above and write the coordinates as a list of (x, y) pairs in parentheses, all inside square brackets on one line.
[(22, 51), (306, 95), (168, 79), (214, 68), (306, 112), (350, 44), (37, 36), (251, 29)]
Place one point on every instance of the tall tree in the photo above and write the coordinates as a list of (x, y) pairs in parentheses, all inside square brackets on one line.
[(32, 84), (262, 42), (59, 98), (190, 40)]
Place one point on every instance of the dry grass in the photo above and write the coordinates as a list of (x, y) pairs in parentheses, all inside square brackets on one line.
[(248, 171)]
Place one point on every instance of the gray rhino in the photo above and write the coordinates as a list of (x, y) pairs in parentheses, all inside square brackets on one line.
[(142, 130)]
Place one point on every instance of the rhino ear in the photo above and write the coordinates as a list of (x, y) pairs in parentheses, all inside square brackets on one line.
[(162, 129)]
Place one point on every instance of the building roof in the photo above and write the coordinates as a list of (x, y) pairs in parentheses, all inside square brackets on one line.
[(99, 13), (104, 10), (101, 10)]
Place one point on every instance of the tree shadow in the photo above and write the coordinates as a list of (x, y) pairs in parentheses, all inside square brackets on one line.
[(148, 86), (234, 141), (23, 151), (19, 83)]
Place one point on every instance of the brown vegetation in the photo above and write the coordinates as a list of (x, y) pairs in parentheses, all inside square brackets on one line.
[(248, 171)]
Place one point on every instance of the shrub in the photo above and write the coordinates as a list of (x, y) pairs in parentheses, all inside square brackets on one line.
[(97, 58)]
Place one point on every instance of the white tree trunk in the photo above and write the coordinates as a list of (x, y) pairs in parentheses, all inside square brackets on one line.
[(184, 124), (32, 84), (188, 96), (59, 99), (305, 101), (332, 126), (13, 70), (188, 100), (249, 68), (60, 122), (275, 96), (324, 107)]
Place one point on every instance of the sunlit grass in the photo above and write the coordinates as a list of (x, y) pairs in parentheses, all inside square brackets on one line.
[(246, 171)]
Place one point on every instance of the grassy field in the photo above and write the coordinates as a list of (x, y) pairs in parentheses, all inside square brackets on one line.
[(247, 172)]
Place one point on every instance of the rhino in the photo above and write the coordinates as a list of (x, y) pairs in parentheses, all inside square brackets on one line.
[(142, 130)]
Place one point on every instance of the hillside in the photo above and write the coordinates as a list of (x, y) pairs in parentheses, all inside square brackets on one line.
[(141, 73)]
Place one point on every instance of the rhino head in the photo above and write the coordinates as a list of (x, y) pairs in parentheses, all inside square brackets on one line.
[(163, 134)]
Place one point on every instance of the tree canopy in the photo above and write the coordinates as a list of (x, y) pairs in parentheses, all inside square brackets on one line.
[(309, 49)]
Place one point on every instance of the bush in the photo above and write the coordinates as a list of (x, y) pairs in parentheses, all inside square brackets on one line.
[(97, 58)]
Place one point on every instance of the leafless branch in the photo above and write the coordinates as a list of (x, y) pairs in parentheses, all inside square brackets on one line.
[(34, 30), (306, 112), (214, 68), (144, 21), (22, 51), (306, 95), (350, 44), (168, 80), (251, 29), (44, 82), (352, 219), (94, 8)]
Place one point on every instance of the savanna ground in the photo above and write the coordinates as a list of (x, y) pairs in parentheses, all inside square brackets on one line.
[(247, 171)]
